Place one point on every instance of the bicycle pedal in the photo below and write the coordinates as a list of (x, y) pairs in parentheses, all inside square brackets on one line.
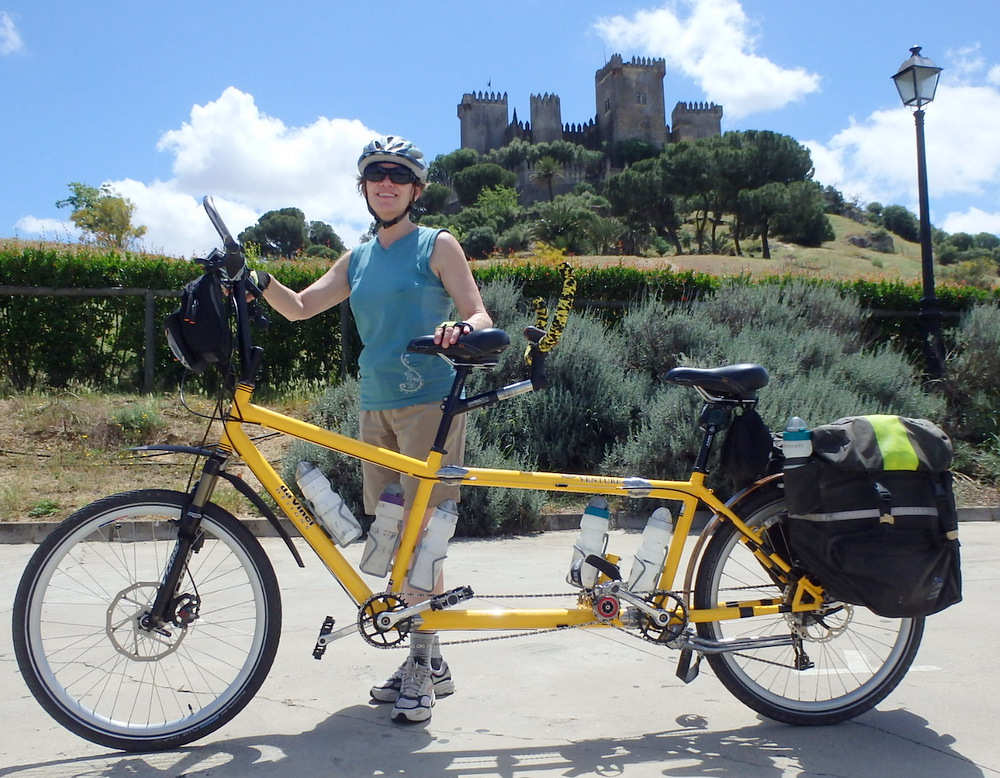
[(321, 641), (451, 597), (687, 671)]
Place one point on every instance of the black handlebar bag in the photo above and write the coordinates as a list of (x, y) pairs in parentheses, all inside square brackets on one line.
[(872, 517)]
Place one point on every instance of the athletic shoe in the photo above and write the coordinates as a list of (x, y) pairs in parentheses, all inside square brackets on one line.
[(416, 694), (388, 690)]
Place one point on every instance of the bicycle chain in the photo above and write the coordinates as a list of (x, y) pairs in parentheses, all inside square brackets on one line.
[(533, 632)]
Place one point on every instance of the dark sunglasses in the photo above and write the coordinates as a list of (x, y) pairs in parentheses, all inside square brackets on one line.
[(398, 175)]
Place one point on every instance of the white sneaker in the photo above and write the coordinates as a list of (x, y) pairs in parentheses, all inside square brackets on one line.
[(416, 694), (388, 690)]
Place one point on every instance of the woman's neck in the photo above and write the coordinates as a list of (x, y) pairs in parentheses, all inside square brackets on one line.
[(389, 235)]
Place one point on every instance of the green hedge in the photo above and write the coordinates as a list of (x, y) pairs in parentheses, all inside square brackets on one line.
[(52, 341), (100, 341)]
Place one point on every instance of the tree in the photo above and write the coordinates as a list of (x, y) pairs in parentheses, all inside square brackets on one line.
[(322, 234), (546, 170), (900, 220), (281, 233), (756, 208), (804, 221), (468, 183), (642, 195), (102, 215)]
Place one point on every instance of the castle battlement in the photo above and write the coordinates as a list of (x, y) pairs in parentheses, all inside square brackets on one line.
[(484, 97)]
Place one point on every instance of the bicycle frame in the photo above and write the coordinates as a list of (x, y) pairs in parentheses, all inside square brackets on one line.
[(690, 494)]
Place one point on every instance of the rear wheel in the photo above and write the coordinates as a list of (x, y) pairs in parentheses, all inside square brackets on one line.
[(91, 661), (851, 658)]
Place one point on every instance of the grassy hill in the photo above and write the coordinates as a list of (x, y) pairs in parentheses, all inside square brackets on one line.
[(834, 259)]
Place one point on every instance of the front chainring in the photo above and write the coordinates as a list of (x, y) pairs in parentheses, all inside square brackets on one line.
[(371, 609), (664, 634)]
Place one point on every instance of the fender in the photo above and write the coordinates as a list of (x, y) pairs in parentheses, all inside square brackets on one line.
[(770, 482), (240, 485)]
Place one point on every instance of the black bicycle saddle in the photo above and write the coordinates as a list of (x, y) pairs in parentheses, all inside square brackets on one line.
[(479, 347)]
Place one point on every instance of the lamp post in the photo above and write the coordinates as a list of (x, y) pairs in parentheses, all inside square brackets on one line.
[(917, 80)]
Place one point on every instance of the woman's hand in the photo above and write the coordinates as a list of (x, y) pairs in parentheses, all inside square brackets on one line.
[(448, 332)]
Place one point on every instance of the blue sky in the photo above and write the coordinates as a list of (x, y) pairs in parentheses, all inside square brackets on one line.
[(266, 105)]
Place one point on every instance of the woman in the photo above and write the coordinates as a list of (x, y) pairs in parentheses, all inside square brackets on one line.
[(402, 284)]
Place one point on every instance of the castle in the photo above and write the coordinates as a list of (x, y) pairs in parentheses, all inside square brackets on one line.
[(630, 105)]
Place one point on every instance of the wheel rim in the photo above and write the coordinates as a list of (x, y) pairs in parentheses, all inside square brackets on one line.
[(855, 654), (99, 668)]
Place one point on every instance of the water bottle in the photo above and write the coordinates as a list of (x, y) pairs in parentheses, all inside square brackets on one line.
[(648, 562), (383, 535), (433, 547), (593, 539), (796, 443), (326, 505)]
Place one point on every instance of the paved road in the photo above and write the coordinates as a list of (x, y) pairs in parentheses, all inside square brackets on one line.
[(568, 704)]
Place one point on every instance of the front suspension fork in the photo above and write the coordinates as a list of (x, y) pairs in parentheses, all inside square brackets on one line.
[(189, 541)]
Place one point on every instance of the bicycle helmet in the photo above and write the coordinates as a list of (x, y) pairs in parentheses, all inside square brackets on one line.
[(400, 151)]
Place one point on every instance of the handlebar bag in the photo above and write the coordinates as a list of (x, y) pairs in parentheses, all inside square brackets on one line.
[(872, 517), (199, 332)]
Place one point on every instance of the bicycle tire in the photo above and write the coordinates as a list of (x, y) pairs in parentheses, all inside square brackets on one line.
[(96, 671), (857, 657)]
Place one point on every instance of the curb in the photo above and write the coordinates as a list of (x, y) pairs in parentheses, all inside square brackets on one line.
[(36, 531)]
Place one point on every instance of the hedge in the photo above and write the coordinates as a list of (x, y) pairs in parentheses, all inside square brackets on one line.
[(52, 341)]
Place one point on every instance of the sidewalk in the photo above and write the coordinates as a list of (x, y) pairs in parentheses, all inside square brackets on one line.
[(574, 703)]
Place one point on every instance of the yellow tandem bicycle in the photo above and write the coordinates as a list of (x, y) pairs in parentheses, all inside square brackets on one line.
[(150, 618)]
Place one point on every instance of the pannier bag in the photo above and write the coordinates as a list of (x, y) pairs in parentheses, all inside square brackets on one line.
[(871, 515), (199, 332)]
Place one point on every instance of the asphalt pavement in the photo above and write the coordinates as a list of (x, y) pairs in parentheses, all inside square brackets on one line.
[(574, 703)]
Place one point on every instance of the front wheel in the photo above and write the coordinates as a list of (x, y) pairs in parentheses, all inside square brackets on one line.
[(843, 661), (93, 662)]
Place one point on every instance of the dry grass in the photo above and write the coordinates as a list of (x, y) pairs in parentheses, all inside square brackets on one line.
[(59, 452)]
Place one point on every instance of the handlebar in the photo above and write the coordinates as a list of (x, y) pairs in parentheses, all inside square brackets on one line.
[(233, 259)]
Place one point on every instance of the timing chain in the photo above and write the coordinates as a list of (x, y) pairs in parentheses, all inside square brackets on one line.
[(531, 632)]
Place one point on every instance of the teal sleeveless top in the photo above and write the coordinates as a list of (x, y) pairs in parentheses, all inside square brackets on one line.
[(396, 297)]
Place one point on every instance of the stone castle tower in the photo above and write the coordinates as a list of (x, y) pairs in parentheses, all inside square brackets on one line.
[(630, 104)]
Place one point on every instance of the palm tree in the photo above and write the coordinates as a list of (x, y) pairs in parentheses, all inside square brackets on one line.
[(547, 169)]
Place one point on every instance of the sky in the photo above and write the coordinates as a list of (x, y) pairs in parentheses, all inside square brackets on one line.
[(267, 105)]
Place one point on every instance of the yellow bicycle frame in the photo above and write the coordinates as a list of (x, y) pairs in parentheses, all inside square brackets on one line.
[(690, 493)]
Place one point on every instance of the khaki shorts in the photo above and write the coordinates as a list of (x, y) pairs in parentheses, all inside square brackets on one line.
[(411, 432)]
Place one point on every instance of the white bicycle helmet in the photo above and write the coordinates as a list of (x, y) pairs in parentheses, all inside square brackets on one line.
[(400, 151)]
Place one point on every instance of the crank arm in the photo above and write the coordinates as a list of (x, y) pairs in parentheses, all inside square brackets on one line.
[(729, 645), (327, 634), (389, 619)]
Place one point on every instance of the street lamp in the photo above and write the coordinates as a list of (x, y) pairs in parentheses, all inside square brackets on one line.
[(917, 81)]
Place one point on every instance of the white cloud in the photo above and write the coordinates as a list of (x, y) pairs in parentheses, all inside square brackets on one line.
[(876, 159), (250, 163), (972, 221), (232, 150), (47, 229), (10, 39), (713, 44)]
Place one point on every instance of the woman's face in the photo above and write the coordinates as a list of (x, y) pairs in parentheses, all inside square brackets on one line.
[(389, 199)]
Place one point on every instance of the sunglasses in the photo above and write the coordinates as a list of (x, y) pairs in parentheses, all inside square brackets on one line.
[(398, 175)]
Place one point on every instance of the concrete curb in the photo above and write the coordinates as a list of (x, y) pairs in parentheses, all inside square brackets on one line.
[(36, 531)]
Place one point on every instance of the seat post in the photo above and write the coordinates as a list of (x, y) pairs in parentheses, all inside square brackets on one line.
[(450, 406)]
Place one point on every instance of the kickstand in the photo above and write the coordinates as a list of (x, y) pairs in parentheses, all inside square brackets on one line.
[(687, 671)]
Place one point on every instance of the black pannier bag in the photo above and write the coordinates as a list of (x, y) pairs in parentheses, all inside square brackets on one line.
[(871, 515), (199, 332)]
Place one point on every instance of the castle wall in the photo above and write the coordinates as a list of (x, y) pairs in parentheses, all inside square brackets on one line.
[(693, 121), (484, 121), (546, 118), (630, 100)]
